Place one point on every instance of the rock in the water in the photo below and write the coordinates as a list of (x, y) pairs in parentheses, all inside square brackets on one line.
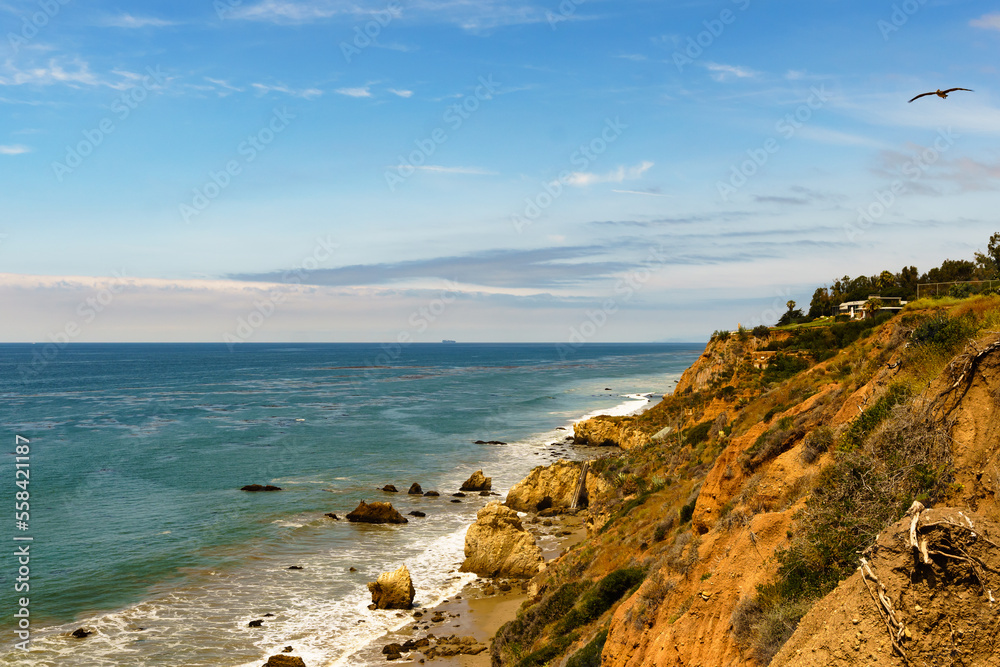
[(256, 624), (287, 649), (296, 567), (459, 495), (418, 514), (415, 490), (80, 633), (478, 482), (393, 590), (260, 487), (497, 545), (389, 488), (284, 661), (375, 513), (391, 648), (332, 516), (431, 494)]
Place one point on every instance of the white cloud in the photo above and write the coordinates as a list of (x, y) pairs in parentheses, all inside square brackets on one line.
[(362, 91), (987, 21), (15, 149), (401, 93), (721, 72), (225, 85), (129, 21), (620, 175), (648, 193), (75, 74), (306, 93)]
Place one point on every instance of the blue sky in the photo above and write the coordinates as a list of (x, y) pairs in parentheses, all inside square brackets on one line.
[(504, 170)]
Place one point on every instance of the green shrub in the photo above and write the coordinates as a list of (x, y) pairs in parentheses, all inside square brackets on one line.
[(783, 367), (865, 423), (600, 598), (687, 511), (590, 655), (518, 635), (943, 332), (697, 433), (816, 443), (761, 331)]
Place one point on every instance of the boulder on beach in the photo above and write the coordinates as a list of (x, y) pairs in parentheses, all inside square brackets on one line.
[(389, 488), (497, 545), (554, 487), (375, 513), (392, 590), (415, 490), (284, 661), (260, 487), (478, 482)]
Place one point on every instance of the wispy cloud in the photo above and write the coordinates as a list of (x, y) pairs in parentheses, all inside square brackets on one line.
[(401, 93), (225, 85), (987, 21), (306, 93), (472, 171), (652, 192), (74, 73), (362, 91), (130, 21), (619, 175), (721, 72), (14, 149)]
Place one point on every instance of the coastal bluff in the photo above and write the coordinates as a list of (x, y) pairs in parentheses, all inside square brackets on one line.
[(604, 431), (554, 486)]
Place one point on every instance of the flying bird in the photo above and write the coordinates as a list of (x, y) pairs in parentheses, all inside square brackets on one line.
[(943, 94)]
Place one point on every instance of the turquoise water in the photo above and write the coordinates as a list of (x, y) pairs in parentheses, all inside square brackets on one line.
[(138, 453)]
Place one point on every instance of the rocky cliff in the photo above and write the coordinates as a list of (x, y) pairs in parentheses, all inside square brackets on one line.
[(773, 478), (554, 486), (497, 545), (609, 431)]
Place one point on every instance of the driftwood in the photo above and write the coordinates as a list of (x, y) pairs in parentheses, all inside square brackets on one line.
[(884, 605)]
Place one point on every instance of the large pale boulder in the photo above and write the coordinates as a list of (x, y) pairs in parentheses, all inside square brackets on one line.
[(553, 486), (375, 513), (497, 545), (392, 590), (478, 482), (609, 431)]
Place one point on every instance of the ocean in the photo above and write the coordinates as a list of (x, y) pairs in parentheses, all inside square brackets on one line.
[(139, 530)]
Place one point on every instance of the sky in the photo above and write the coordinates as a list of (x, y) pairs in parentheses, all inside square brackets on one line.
[(481, 170)]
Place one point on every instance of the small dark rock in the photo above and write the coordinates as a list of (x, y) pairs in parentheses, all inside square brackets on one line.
[(484, 493), (456, 500), (392, 648), (431, 494), (352, 569), (458, 495), (287, 649), (268, 615), (418, 514), (296, 567), (375, 513), (259, 487), (389, 488), (256, 624), (80, 633), (415, 490), (332, 516)]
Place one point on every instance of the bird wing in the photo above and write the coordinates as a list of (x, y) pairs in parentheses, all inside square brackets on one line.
[(951, 90), (923, 95)]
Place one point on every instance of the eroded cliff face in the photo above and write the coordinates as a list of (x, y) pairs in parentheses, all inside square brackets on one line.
[(740, 466)]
